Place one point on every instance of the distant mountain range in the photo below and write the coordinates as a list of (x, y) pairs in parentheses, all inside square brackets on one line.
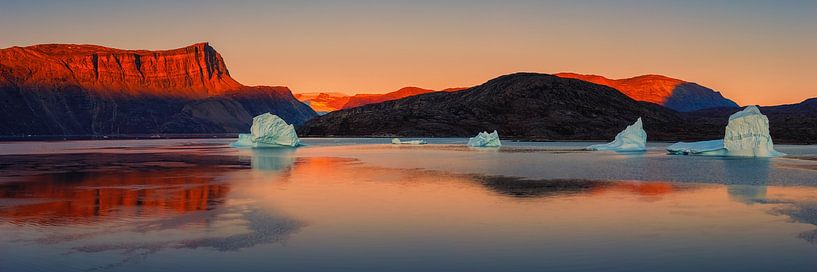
[(66, 89), (332, 101), (672, 93), (540, 106)]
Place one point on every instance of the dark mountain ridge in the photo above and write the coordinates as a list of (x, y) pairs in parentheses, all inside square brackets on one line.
[(540, 106), (522, 105)]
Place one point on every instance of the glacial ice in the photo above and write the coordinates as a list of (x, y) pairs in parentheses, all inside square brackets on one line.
[(747, 135), (268, 130), (485, 139), (632, 138), (412, 142)]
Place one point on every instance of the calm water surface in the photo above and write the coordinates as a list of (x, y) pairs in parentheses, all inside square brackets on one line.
[(366, 205)]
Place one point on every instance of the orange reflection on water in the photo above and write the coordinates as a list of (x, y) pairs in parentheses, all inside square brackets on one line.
[(58, 198), (352, 196), (638, 188)]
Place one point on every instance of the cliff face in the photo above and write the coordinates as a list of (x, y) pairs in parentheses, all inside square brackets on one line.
[(86, 89), (672, 93), (194, 71)]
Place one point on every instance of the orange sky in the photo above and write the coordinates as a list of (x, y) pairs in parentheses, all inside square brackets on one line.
[(753, 52)]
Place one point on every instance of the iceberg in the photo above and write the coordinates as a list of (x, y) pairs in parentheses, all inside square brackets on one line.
[(485, 139), (632, 138), (268, 130), (413, 142), (747, 135)]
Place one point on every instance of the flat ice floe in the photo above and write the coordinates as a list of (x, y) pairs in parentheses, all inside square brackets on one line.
[(632, 138), (711, 147), (747, 135), (269, 130), (397, 141), (485, 139)]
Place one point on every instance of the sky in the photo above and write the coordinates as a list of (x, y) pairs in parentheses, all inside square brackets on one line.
[(754, 52)]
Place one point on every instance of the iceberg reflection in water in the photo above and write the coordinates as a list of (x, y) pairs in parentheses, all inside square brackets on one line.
[(272, 159), (748, 178), (337, 205)]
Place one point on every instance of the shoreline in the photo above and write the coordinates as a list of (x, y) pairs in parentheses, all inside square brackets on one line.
[(50, 138), (57, 138)]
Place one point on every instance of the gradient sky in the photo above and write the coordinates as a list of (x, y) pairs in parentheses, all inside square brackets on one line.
[(755, 52)]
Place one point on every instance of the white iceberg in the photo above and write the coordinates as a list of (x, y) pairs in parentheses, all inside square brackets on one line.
[(632, 138), (413, 142), (268, 130), (485, 139), (747, 135)]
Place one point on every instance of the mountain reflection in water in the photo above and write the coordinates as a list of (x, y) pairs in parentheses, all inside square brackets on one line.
[(80, 197)]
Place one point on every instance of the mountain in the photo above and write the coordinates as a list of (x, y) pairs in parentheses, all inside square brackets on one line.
[(66, 89), (323, 102), (673, 93), (327, 102), (518, 105)]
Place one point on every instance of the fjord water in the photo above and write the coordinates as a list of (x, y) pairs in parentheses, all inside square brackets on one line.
[(366, 205)]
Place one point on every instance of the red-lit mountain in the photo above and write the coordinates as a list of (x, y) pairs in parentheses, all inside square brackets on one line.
[(672, 93), (323, 102), (328, 102), (66, 89)]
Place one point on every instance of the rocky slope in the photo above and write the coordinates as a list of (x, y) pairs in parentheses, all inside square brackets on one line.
[(673, 93), (517, 105), (328, 102), (62, 89), (365, 99)]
